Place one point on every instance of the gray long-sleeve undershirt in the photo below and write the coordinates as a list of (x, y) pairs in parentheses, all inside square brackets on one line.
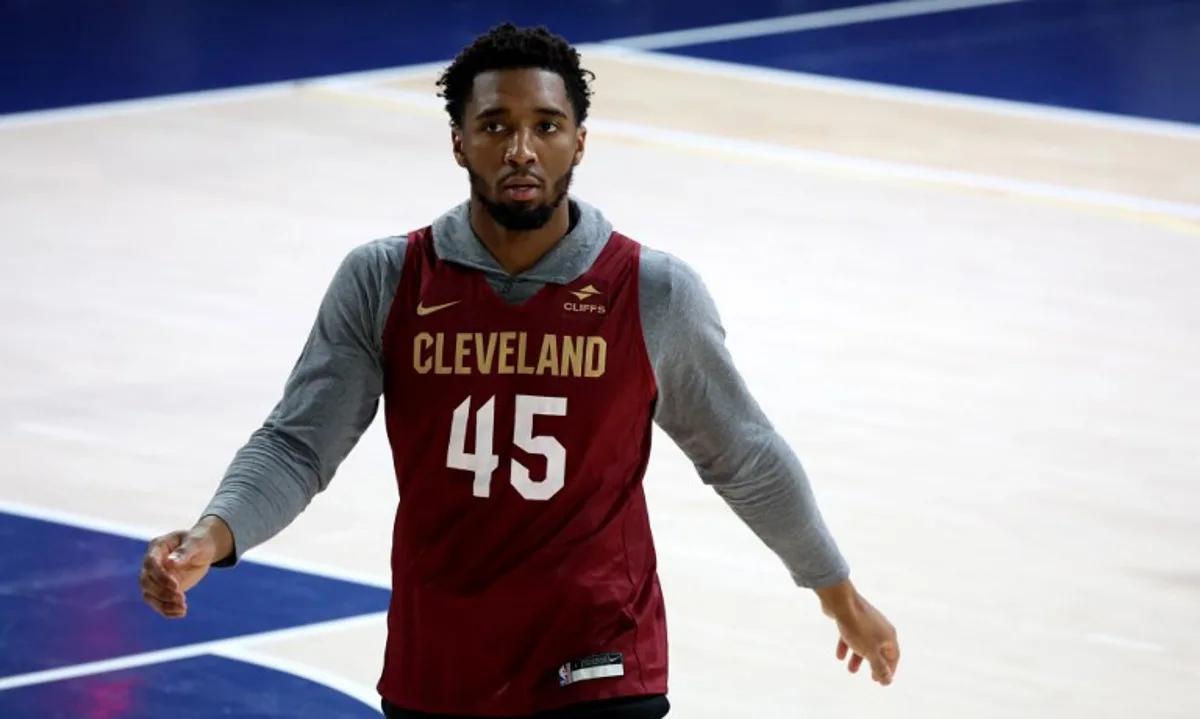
[(333, 393)]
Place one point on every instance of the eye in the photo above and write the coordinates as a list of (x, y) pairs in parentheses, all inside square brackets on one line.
[(493, 127), (547, 126)]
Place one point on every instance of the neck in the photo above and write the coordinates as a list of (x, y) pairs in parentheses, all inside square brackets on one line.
[(518, 250)]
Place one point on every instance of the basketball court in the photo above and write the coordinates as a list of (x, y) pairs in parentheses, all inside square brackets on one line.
[(977, 321)]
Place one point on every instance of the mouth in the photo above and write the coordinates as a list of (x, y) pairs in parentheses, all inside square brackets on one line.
[(520, 188)]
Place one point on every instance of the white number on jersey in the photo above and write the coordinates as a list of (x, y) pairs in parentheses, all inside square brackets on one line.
[(483, 462)]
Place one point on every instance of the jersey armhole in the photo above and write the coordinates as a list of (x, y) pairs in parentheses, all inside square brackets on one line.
[(643, 347), (416, 246)]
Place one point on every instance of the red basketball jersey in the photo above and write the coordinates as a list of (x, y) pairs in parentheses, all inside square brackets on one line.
[(524, 572)]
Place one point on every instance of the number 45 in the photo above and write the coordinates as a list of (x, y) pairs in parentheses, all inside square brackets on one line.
[(483, 462)]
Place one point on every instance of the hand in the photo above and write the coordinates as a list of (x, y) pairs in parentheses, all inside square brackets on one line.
[(176, 562), (865, 634)]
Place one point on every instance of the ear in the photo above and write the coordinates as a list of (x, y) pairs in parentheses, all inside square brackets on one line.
[(580, 145), (456, 144)]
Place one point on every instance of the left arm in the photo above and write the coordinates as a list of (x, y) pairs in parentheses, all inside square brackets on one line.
[(707, 410)]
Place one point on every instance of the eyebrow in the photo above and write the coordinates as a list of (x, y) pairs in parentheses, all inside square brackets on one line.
[(500, 111)]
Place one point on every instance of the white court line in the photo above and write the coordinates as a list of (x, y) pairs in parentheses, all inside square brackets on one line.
[(124, 530), (199, 98), (913, 95), (614, 50), (821, 160), (59, 432), (184, 652), (800, 21), (1124, 643), (366, 695), (117, 108)]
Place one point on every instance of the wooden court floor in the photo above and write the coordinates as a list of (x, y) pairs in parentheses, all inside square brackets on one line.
[(978, 324)]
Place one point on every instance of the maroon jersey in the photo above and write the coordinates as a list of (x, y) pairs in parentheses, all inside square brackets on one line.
[(524, 572)]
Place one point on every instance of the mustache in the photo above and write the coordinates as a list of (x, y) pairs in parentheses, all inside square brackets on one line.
[(522, 175)]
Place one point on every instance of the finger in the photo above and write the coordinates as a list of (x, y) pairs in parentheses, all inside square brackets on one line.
[(855, 663), (161, 593), (153, 601), (183, 555), (174, 610), (889, 659), (178, 556), (153, 571), (167, 609), (158, 582), (891, 653), (882, 666), (155, 561), (842, 649), (160, 547), (880, 672)]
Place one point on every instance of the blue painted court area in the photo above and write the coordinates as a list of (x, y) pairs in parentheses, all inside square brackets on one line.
[(1130, 57), (1127, 57), (72, 52), (70, 596), (198, 688)]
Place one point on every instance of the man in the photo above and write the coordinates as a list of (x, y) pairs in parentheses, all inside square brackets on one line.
[(524, 350)]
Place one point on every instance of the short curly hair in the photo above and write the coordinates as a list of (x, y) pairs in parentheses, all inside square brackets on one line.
[(508, 47)]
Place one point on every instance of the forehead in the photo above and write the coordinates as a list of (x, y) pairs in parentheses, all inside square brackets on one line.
[(518, 90)]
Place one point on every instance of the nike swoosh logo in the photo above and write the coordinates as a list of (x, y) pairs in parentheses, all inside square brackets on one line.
[(422, 310)]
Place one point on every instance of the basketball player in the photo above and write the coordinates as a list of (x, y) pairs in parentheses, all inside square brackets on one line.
[(524, 349)]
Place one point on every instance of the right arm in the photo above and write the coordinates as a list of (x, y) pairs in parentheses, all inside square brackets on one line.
[(328, 402)]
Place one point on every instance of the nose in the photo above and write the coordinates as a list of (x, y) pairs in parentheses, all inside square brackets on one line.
[(520, 151)]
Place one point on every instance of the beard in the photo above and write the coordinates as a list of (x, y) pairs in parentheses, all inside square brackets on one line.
[(521, 216)]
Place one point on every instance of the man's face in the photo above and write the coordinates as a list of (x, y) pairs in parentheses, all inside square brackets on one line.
[(519, 144)]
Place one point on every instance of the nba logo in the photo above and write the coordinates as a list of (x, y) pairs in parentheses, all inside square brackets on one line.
[(564, 675)]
